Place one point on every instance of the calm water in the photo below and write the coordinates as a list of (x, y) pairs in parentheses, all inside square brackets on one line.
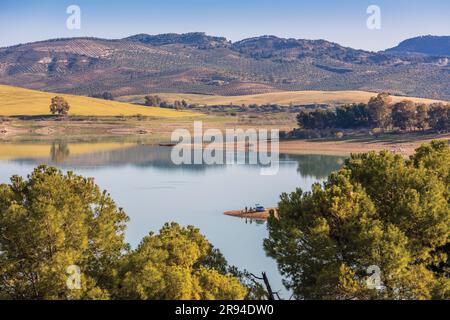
[(153, 191)]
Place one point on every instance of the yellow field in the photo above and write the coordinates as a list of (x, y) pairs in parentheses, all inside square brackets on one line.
[(283, 98), (23, 102)]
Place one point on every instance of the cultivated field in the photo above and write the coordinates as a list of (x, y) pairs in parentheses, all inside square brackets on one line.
[(282, 98), (23, 102)]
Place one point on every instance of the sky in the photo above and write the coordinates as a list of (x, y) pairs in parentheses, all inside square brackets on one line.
[(341, 21)]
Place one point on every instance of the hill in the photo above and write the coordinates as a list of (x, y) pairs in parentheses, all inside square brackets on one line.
[(17, 101), (429, 45), (282, 98), (198, 63)]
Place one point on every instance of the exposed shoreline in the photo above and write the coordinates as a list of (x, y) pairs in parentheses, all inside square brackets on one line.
[(160, 131), (251, 215), (403, 144)]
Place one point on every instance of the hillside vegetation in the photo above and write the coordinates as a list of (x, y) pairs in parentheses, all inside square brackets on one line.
[(23, 102), (281, 98), (198, 63)]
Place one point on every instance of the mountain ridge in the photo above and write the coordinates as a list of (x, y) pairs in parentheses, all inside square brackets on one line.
[(428, 45), (198, 63)]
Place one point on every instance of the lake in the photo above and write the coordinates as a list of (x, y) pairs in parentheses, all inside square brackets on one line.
[(152, 190)]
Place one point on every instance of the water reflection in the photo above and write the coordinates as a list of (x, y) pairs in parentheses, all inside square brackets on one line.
[(142, 155), (318, 166), (59, 152)]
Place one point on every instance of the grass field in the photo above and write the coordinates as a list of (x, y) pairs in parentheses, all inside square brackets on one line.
[(282, 98), (23, 102)]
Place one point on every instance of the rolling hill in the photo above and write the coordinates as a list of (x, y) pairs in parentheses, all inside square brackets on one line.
[(23, 102), (283, 98), (198, 63)]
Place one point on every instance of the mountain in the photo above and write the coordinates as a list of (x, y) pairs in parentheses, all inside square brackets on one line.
[(428, 45), (198, 39), (198, 63)]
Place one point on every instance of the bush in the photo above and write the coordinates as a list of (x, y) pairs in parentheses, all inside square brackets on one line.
[(59, 106)]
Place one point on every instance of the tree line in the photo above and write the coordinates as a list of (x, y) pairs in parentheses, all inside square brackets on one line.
[(381, 113), (156, 101)]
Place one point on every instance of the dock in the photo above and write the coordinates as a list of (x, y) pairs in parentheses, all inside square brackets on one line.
[(252, 215)]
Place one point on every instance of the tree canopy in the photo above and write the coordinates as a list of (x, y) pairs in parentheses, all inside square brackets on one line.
[(169, 266), (59, 105), (54, 226), (378, 210), (378, 113)]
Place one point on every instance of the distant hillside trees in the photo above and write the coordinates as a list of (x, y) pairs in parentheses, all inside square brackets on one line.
[(439, 117), (422, 116), (317, 119), (353, 116), (378, 113), (156, 101), (59, 106), (153, 101), (105, 96), (404, 115)]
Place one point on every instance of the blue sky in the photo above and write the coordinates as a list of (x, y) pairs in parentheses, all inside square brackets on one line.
[(342, 21)]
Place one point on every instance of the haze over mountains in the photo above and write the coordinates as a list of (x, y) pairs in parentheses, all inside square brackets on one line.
[(197, 63)]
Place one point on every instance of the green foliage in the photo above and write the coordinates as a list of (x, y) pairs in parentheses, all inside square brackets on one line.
[(52, 222), (422, 116), (317, 119), (378, 210), (59, 106), (439, 117), (352, 116), (165, 266), (376, 114), (379, 111), (404, 115)]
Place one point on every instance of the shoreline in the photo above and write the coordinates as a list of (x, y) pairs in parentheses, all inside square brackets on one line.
[(403, 144), (106, 129), (262, 216)]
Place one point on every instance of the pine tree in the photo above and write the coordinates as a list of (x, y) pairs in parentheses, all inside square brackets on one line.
[(378, 210)]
